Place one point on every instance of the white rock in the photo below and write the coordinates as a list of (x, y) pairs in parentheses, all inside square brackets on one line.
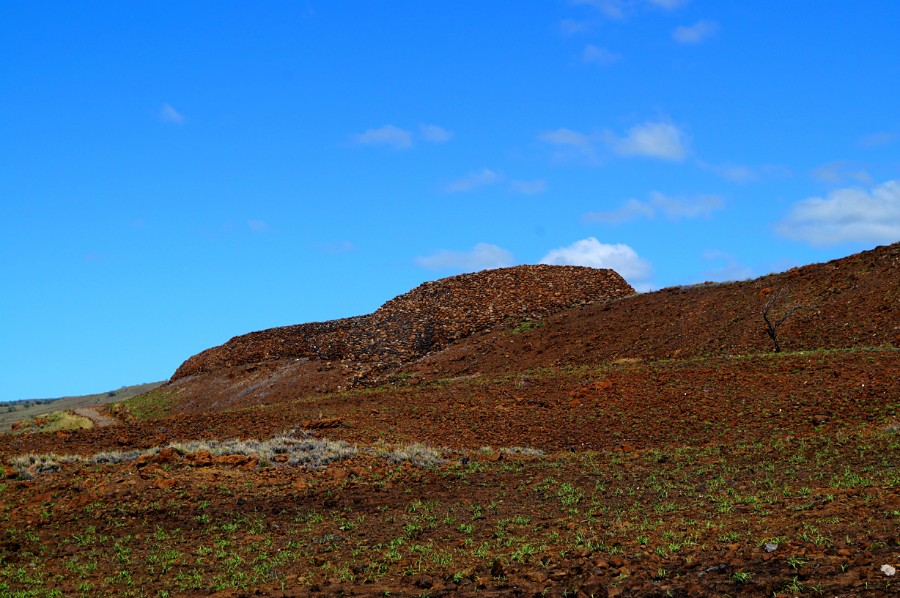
[(888, 570)]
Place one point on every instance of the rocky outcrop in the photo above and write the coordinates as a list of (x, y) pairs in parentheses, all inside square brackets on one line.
[(427, 318)]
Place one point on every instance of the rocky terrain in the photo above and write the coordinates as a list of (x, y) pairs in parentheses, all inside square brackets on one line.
[(501, 441), (426, 319), (850, 302)]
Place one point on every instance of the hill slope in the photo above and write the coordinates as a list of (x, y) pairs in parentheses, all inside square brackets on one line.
[(50, 405), (850, 302), (568, 456)]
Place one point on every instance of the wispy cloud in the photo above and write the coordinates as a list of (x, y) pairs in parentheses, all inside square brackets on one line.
[(728, 270), (669, 4), (630, 210), (592, 253), (389, 135), (745, 173), (570, 27), (481, 257), (257, 226), (701, 206), (599, 56), (528, 187), (168, 114), (739, 173), (841, 171), (619, 9), (473, 180), (877, 139), (613, 9), (569, 144), (651, 139), (434, 133), (659, 140), (846, 215), (337, 247), (696, 33), (399, 138)]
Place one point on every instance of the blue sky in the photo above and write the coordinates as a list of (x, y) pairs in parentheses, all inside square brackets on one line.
[(177, 173)]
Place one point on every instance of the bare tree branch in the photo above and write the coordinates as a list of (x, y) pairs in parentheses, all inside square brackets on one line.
[(773, 322)]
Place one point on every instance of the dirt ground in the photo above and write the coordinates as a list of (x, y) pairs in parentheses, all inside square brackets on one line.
[(554, 459), (619, 479)]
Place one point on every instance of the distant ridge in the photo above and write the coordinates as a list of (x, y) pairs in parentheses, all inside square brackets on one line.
[(425, 319)]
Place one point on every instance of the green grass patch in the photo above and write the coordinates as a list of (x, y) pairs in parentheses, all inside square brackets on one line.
[(155, 404)]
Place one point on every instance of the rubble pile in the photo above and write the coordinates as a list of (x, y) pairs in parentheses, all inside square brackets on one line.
[(425, 319)]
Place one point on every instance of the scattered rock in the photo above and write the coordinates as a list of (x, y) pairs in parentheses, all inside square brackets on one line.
[(424, 582), (321, 424), (425, 319), (888, 570), (497, 569), (199, 459), (769, 547)]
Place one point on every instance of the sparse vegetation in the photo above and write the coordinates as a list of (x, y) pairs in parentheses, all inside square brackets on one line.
[(772, 318), (690, 475)]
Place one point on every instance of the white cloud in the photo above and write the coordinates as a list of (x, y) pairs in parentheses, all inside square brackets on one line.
[(481, 257), (669, 4), (600, 56), (399, 138), (618, 9), (569, 27), (257, 226), (701, 206), (334, 248), (630, 210), (434, 133), (840, 171), (387, 135), (659, 140), (738, 173), (614, 9), (570, 145), (696, 33), (528, 187), (730, 270), (745, 173), (591, 252), (168, 114), (846, 215), (473, 180), (877, 139)]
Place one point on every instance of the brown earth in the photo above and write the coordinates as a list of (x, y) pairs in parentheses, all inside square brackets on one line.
[(851, 302), (680, 456), (98, 419), (425, 319)]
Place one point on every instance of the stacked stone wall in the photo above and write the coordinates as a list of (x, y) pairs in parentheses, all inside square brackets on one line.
[(425, 319)]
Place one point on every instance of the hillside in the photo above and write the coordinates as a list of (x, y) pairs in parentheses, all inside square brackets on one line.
[(593, 445), (850, 302), (340, 354), (21, 412)]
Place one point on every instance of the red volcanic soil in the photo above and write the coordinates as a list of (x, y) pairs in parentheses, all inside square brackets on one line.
[(425, 319), (650, 445), (851, 302)]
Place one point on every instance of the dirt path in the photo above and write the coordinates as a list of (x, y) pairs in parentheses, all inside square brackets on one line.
[(100, 420)]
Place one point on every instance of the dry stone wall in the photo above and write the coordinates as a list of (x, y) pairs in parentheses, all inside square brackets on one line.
[(425, 319)]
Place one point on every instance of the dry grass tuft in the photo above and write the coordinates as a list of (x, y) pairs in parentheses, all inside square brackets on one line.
[(417, 454)]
